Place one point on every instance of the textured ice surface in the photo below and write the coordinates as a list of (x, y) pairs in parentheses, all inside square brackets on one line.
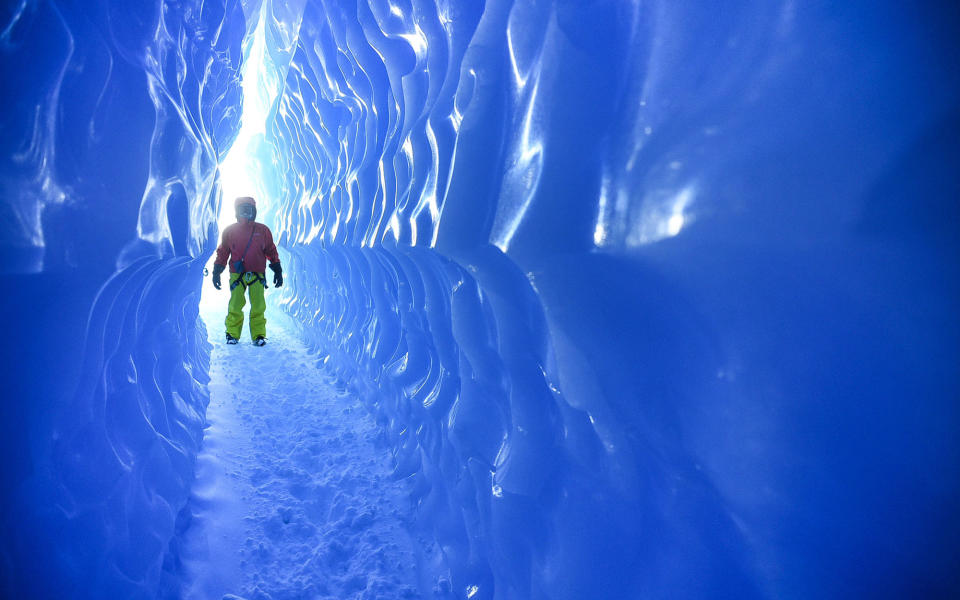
[(651, 300), (113, 117)]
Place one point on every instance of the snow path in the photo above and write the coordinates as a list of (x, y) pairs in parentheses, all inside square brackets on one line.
[(292, 498)]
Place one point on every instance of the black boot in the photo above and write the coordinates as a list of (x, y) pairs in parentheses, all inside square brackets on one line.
[(260, 341), (231, 339)]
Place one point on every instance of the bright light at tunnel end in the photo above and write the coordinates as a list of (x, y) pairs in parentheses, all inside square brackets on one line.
[(240, 174)]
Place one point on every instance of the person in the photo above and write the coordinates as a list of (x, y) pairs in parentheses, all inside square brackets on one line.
[(247, 245)]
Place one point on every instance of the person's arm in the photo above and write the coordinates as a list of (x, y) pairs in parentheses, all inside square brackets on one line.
[(270, 251), (269, 248), (223, 250), (223, 254)]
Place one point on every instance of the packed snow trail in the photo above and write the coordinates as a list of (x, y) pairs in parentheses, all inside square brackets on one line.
[(292, 497)]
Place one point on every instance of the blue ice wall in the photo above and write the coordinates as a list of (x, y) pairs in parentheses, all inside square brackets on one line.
[(653, 300), (113, 117)]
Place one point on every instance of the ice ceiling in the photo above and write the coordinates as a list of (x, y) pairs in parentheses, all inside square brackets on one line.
[(651, 300)]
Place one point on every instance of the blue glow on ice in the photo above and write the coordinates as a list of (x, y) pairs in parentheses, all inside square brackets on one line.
[(649, 300)]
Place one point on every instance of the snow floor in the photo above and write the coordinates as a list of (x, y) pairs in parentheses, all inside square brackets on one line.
[(293, 496)]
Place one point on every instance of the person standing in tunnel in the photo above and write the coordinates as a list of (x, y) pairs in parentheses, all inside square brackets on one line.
[(247, 245)]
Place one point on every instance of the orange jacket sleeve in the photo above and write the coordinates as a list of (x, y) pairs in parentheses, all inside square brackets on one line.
[(223, 251), (269, 248)]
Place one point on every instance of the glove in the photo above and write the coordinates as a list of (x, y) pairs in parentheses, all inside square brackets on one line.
[(277, 274), (217, 269)]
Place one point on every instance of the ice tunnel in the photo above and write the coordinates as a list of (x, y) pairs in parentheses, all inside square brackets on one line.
[(646, 299)]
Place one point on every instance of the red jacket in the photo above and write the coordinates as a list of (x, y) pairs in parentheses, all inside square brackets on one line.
[(234, 240)]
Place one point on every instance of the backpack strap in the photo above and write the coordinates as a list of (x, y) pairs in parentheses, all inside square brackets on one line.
[(238, 264), (250, 241)]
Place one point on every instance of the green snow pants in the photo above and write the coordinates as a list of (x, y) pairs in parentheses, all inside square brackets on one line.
[(258, 306)]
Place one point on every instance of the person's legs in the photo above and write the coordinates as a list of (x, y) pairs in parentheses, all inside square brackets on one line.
[(258, 308), (234, 320)]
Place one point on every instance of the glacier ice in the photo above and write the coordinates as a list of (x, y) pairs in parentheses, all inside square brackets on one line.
[(114, 116), (650, 300)]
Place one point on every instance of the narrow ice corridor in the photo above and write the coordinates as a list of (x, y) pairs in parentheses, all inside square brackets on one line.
[(293, 496), (582, 300)]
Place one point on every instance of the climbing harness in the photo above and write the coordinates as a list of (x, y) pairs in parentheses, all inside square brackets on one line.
[(248, 279)]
